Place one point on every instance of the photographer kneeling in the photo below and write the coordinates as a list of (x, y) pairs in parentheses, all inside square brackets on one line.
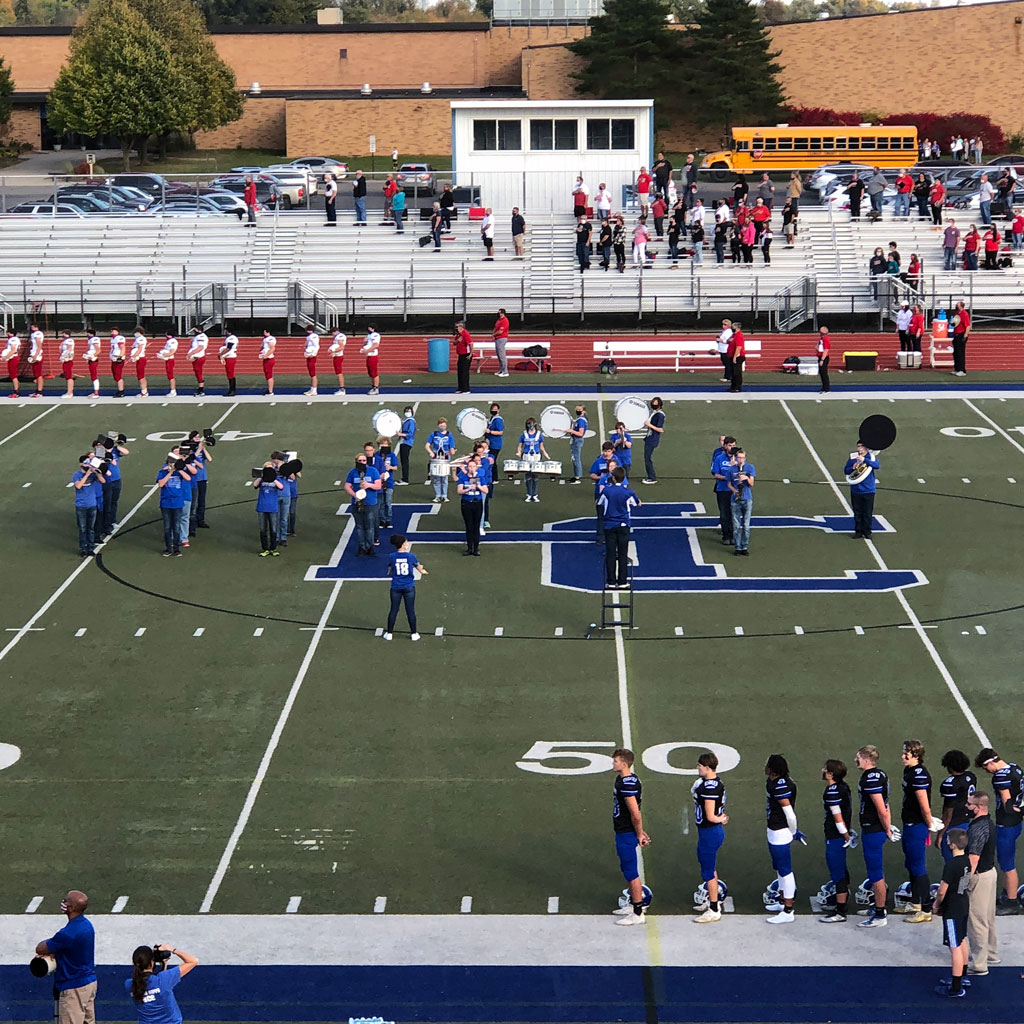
[(152, 983)]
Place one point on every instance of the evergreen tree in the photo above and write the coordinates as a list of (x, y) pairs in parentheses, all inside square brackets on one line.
[(731, 68), (632, 53), (6, 92)]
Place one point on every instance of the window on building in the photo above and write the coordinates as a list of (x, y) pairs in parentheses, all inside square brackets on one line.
[(610, 133), (622, 133), (557, 134), (494, 135)]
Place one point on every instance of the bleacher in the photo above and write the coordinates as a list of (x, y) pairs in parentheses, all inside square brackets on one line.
[(128, 264)]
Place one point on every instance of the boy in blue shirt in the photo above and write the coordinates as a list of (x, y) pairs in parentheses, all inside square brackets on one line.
[(601, 467), (173, 481), (440, 445), (269, 486), (577, 432), (85, 505), (740, 477), (617, 501), (402, 564)]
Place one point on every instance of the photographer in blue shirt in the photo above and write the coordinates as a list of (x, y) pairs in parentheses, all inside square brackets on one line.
[(269, 486), (152, 983), (362, 485), (116, 450), (85, 505), (74, 949)]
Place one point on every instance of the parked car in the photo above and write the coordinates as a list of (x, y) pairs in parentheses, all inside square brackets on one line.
[(319, 165), (821, 176), (100, 196), (417, 177), (971, 201), (292, 183), (267, 192), (214, 204), (151, 184), (46, 210)]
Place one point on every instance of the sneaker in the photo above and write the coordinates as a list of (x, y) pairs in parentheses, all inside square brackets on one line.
[(623, 911), (373, 391), (527, 499), (994, 960), (14, 394), (275, 553), (947, 992), (536, 497), (167, 554), (709, 917), (874, 921), (832, 919), (446, 499), (184, 544), (143, 394), (177, 554), (263, 554), (631, 918), (341, 391), (37, 394), (437, 501), (311, 393), (170, 394), (388, 636), (486, 525), (415, 636), (918, 917), (1007, 910), (401, 483), (965, 982), (501, 375), (646, 481), (978, 972), (782, 917)]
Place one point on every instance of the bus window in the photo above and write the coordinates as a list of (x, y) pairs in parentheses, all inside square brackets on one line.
[(853, 144), (742, 145), (784, 145), (828, 143), (816, 144), (841, 142), (910, 145), (802, 144), (867, 142)]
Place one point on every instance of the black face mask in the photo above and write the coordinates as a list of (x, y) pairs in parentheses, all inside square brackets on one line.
[(360, 465), (385, 449)]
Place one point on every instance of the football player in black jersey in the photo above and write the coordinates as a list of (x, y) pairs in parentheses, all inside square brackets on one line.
[(955, 789), (782, 830), (916, 817), (838, 816), (1007, 782), (709, 814), (875, 829), (629, 831)]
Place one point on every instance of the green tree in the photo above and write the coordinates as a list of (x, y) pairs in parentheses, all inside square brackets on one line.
[(731, 68), (6, 92), (632, 53), (259, 12), (485, 7)]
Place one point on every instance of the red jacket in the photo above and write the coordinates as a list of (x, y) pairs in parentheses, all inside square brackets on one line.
[(916, 324), (463, 342), (390, 188), (965, 322), (737, 345), (249, 194), (643, 182), (904, 184)]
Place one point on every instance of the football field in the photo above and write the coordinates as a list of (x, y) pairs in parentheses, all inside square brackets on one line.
[(223, 734)]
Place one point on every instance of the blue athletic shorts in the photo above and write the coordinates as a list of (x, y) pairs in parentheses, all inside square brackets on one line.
[(709, 840), (1006, 846), (835, 858), (914, 839), (874, 845), (954, 931), (782, 860), (625, 844)]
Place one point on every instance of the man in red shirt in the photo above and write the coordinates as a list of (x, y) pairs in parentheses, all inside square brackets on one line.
[(760, 215), (500, 335), (904, 187), (464, 349), (249, 196), (824, 349), (961, 332), (390, 188), (737, 354)]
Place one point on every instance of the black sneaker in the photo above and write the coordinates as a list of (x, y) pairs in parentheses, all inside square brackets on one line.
[(167, 554)]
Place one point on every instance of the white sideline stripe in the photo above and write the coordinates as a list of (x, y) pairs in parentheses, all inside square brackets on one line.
[(258, 631), (380, 904), (200, 630), (81, 632), (980, 630), (466, 906), (552, 904), (995, 426), (34, 904), (900, 596), (27, 425), (119, 904), (293, 905), (268, 754), (141, 631)]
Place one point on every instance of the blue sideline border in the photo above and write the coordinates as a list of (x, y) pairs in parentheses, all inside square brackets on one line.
[(856, 995)]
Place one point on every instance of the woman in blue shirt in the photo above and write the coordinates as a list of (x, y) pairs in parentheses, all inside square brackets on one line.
[(623, 442), (408, 439), (269, 486), (85, 505), (440, 445), (531, 447), (152, 990), (472, 490), (401, 565)]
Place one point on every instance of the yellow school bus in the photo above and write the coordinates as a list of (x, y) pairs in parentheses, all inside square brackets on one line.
[(784, 148)]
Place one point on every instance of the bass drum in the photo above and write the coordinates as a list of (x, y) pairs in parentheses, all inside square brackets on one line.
[(633, 412), (471, 423), (386, 422), (555, 421)]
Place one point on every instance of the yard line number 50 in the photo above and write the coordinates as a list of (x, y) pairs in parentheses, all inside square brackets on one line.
[(592, 763)]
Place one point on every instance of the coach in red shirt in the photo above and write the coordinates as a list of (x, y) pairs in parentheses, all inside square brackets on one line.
[(961, 332), (824, 350), (916, 329), (500, 341), (464, 349), (736, 355)]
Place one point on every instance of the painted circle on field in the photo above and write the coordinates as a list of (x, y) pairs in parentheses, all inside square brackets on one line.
[(656, 757), (9, 754), (967, 432)]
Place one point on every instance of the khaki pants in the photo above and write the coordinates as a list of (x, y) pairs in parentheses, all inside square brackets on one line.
[(78, 1005), (518, 241), (981, 921)]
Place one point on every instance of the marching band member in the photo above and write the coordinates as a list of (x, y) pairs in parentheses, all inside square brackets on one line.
[(599, 470), (440, 445), (495, 437), (267, 358), (372, 352), (197, 357), (386, 463), (117, 354), (93, 345), (138, 357), (623, 442), (311, 351), (167, 354), (228, 355), (862, 493), (408, 438), (10, 356), (531, 444), (67, 362), (35, 359), (337, 352), (472, 490)]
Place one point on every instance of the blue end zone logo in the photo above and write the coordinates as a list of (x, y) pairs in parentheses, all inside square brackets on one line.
[(663, 545)]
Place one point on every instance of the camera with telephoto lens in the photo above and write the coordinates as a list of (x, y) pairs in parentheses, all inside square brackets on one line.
[(160, 958), (209, 437)]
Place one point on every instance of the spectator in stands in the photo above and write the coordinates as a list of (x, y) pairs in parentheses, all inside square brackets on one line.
[(619, 243), (662, 171), (1005, 186), (390, 188), (723, 351), (734, 244), (937, 199), (641, 236), (249, 197), (436, 224), (748, 237), (643, 191), (760, 215), (855, 190), (447, 203), (985, 193), (720, 239), (922, 190), (916, 328), (766, 190), (876, 189), (903, 326), (904, 189), (795, 190), (690, 197), (330, 199), (689, 171), (359, 197), (603, 202), (580, 197), (766, 243), (674, 231), (605, 243), (992, 240), (740, 189), (1017, 230), (658, 210), (583, 233), (972, 243), (697, 237), (737, 355), (877, 266), (697, 213), (950, 241), (789, 214), (487, 233), (518, 233), (398, 210), (914, 272)]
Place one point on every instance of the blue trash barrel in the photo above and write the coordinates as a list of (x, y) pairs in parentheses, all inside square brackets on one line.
[(438, 354)]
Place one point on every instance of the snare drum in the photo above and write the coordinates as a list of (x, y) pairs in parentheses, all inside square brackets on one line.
[(387, 422), (440, 467), (555, 421), (471, 423), (633, 412), (550, 467), (514, 466)]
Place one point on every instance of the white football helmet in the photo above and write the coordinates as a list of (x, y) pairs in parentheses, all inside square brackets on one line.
[(1020, 896), (772, 896), (865, 895), (933, 891), (625, 900), (826, 895), (903, 898), (700, 895)]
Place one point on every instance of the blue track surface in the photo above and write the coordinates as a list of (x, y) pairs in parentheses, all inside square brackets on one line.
[(683, 994)]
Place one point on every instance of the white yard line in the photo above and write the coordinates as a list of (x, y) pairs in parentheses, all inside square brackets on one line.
[(27, 425), (922, 634), (995, 426), (268, 754)]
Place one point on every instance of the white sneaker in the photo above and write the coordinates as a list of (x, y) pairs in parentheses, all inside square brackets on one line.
[(388, 636), (773, 908), (501, 375), (874, 921), (341, 391), (623, 911), (709, 917), (374, 391), (527, 498), (311, 393), (415, 636), (782, 917), (631, 918), (172, 394), (699, 908)]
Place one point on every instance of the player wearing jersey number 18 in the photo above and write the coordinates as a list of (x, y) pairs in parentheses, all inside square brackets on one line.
[(402, 566), (628, 824), (709, 813)]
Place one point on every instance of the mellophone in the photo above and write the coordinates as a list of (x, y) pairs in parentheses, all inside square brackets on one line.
[(542, 467)]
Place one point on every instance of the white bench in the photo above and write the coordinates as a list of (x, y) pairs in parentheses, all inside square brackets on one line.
[(635, 354), (488, 350)]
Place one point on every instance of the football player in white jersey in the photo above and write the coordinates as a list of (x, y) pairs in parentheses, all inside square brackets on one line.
[(372, 352), (117, 356), (228, 355), (138, 358), (35, 359), (311, 351), (167, 354), (93, 345), (197, 357), (337, 351), (67, 362), (11, 355)]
